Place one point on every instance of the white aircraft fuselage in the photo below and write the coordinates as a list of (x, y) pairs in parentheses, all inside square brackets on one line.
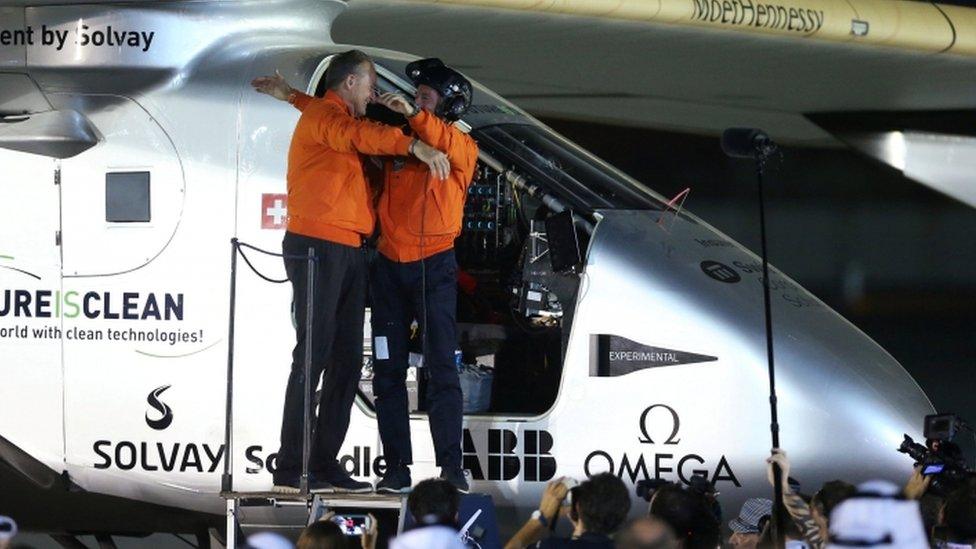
[(114, 315)]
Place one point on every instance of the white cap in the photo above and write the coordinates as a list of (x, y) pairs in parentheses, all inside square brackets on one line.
[(9, 529), (428, 537), (268, 540), (876, 515)]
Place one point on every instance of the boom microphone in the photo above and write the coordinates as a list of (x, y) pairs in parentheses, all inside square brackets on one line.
[(754, 144), (747, 143)]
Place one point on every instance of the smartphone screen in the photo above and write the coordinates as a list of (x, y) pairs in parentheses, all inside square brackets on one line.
[(352, 525), (933, 469)]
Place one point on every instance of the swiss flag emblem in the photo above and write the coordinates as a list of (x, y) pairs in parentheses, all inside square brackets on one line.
[(274, 211)]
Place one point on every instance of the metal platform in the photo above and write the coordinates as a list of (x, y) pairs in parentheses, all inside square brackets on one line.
[(370, 500), (269, 510), (267, 495)]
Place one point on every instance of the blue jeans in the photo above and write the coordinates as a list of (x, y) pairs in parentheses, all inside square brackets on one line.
[(397, 291)]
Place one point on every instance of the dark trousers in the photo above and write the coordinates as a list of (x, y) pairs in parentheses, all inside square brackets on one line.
[(337, 348), (397, 292)]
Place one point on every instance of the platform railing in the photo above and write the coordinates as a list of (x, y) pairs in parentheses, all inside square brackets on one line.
[(227, 479)]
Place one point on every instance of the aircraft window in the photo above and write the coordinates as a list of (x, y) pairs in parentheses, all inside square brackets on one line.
[(585, 181), (127, 197)]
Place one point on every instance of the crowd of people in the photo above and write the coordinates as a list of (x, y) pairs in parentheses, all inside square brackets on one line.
[(838, 515), (928, 511), (872, 514)]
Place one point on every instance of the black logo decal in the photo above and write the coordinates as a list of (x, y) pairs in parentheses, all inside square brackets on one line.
[(618, 356), (503, 462), (656, 462), (535, 462), (469, 456), (675, 425), (539, 463), (720, 272), (161, 407)]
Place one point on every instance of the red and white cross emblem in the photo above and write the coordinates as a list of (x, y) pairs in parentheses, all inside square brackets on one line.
[(274, 211)]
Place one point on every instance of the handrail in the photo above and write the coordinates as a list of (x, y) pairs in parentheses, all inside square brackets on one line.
[(227, 479)]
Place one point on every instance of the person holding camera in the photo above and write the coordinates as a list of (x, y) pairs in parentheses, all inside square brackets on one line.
[(689, 514), (434, 505), (953, 525), (596, 509), (326, 533)]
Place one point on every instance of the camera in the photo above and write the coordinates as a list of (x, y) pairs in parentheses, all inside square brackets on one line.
[(570, 484), (697, 484), (939, 457), (646, 488), (352, 525), (942, 426)]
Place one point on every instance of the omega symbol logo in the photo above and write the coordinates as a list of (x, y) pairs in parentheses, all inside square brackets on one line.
[(161, 407), (661, 418)]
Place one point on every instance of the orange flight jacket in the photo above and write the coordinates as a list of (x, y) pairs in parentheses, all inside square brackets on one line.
[(328, 197), (421, 215)]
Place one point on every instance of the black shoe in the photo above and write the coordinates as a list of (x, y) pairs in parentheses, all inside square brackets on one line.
[(339, 481), (286, 485), (455, 476), (395, 481)]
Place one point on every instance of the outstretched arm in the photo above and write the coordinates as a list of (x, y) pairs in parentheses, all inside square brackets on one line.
[(275, 86), (534, 530), (360, 135), (795, 506)]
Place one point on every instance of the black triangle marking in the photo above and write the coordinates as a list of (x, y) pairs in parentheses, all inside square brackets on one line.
[(619, 356)]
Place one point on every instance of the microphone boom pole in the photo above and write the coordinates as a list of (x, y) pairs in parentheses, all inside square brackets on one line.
[(756, 145)]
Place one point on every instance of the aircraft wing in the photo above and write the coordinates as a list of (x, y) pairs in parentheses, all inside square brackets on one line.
[(637, 66)]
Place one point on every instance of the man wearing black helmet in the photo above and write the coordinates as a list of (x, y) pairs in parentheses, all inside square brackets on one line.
[(415, 274)]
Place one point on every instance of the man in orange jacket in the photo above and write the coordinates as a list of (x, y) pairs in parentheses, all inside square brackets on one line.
[(330, 211), (415, 275)]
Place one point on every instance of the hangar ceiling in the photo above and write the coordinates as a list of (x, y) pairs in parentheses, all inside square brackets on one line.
[(659, 76)]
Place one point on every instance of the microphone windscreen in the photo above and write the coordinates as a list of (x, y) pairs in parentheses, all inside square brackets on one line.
[(741, 142)]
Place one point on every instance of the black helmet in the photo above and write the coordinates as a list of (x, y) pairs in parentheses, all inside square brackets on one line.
[(454, 89)]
